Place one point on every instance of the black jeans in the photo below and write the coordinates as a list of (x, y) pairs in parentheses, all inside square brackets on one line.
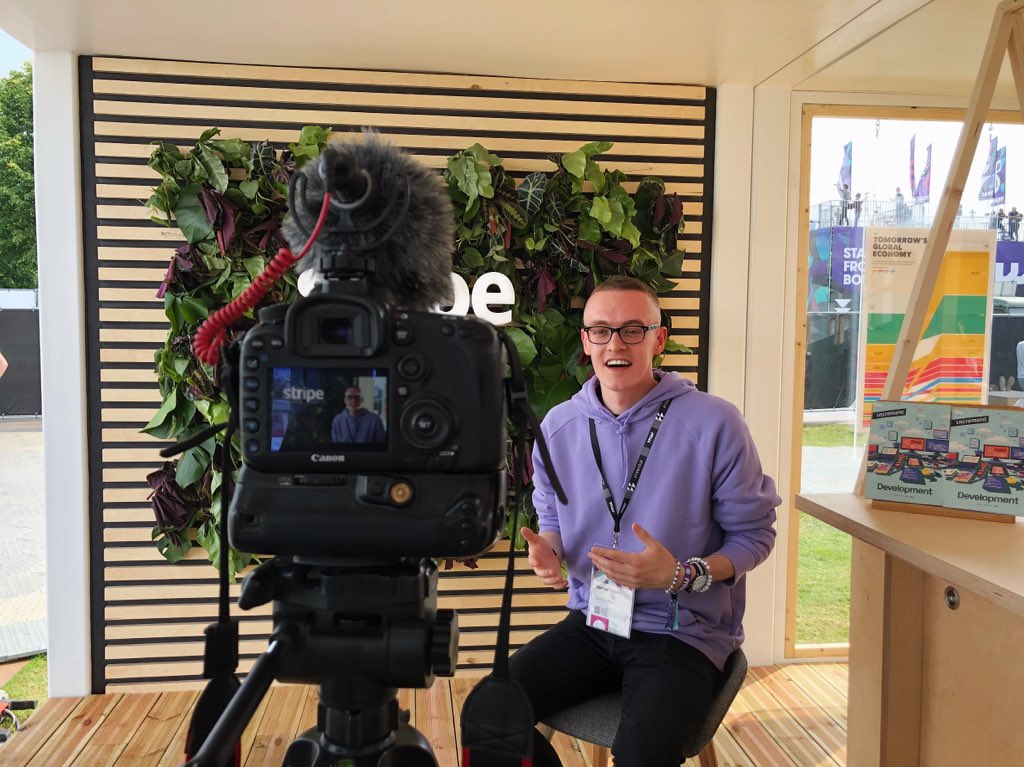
[(666, 685)]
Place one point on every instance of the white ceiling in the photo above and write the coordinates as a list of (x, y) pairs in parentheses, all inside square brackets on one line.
[(890, 46)]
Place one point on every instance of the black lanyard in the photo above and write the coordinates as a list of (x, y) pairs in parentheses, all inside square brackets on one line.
[(617, 514)]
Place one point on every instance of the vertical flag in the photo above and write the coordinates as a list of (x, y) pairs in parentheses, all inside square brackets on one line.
[(988, 175), (913, 182), (999, 186), (922, 192), (846, 170)]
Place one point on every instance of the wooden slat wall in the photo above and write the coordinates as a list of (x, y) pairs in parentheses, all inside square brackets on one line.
[(148, 616)]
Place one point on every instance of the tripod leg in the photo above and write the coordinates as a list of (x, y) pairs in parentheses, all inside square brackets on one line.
[(217, 750)]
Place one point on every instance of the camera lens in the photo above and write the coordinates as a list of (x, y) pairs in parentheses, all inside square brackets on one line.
[(336, 330), (426, 424)]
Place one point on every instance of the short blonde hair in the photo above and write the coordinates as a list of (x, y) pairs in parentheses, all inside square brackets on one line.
[(623, 282)]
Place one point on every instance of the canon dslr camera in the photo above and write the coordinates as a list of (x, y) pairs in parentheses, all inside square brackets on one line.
[(367, 429)]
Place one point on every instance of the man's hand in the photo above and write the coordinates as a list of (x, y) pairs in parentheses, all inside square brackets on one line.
[(544, 561), (652, 568)]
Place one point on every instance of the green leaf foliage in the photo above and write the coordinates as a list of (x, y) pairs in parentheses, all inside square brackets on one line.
[(227, 197), (17, 181), (570, 229), (553, 234), (190, 216)]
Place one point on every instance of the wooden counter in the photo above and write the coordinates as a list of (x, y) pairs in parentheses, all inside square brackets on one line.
[(931, 683)]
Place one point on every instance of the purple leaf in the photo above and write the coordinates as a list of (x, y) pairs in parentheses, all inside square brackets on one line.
[(545, 286)]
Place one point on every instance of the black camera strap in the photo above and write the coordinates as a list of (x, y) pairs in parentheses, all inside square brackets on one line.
[(497, 717), (220, 654)]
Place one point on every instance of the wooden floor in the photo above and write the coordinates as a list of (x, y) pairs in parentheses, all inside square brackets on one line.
[(792, 715)]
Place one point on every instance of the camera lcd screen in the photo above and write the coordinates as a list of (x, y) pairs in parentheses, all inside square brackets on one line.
[(324, 409)]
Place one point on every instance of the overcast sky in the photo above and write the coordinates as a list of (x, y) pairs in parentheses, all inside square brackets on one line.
[(881, 163), (12, 53)]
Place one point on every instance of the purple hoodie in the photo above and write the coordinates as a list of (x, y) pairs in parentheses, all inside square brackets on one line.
[(701, 492)]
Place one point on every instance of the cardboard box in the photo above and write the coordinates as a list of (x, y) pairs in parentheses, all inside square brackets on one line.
[(908, 451), (989, 475)]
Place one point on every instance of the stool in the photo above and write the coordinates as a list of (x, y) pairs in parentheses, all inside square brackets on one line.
[(596, 720)]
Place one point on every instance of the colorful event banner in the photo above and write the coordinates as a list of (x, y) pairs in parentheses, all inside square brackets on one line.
[(845, 178), (952, 357), (921, 188), (993, 177), (835, 266)]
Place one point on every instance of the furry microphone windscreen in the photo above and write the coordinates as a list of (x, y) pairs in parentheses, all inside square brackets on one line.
[(413, 269)]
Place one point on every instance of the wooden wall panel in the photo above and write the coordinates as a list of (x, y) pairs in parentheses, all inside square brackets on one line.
[(148, 616)]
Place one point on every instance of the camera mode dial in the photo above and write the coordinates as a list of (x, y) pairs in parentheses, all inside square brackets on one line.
[(426, 423)]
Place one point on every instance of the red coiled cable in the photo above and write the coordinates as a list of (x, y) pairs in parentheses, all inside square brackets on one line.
[(211, 334)]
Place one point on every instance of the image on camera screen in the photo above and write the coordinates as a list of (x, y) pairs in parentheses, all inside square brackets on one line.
[(329, 408)]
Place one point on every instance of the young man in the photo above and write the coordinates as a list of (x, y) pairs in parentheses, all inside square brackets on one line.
[(356, 423), (677, 467)]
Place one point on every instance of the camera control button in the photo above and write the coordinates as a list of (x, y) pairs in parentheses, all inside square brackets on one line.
[(250, 383), (402, 334), (257, 343), (411, 366), (251, 404), (465, 332), (276, 342), (252, 425), (252, 446), (402, 391), (252, 363), (426, 424), (448, 329)]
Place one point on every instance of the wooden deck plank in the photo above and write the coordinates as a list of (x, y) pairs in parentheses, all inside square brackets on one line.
[(278, 727), (787, 731), (114, 733), (149, 742), (461, 687), (788, 716), (750, 733), (835, 674), (794, 703), (824, 694), (39, 728), (309, 709), (74, 733), (436, 719)]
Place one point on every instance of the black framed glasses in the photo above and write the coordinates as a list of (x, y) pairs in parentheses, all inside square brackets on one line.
[(630, 334)]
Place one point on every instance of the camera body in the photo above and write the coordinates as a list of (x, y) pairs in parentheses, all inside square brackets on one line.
[(369, 430)]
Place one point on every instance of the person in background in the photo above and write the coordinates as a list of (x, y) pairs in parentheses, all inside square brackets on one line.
[(1013, 222), (356, 423), (668, 509), (3, 365), (844, 205), (857, 204)]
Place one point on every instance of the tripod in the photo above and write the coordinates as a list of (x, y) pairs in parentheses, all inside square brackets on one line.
[(360, 629)]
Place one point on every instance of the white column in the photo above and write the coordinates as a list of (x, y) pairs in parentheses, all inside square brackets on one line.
[(769, 317), (63, 351), (730, 251)]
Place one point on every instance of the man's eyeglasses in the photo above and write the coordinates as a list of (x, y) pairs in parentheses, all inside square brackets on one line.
[(353, 396), (630, 334)]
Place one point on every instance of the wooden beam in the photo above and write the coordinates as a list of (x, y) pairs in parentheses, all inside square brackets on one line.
[(942, 225)]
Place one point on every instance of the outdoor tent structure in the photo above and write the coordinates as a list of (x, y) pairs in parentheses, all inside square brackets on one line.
[(763, 61)]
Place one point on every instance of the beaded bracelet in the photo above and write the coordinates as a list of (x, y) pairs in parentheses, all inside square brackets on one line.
[(672, 587)]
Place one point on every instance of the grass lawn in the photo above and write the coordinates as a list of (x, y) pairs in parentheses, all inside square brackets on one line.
[(831, 435), (29, 684), (823, 584), (823, 574)]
